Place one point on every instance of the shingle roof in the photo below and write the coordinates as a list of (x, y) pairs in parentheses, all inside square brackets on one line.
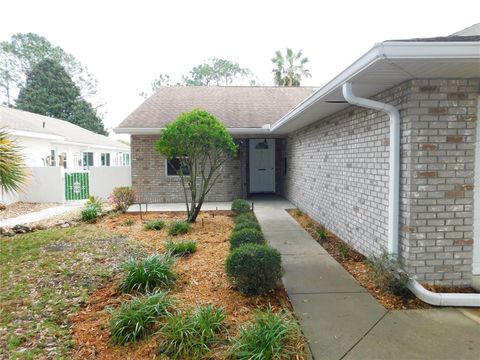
[(235, 106), (26, 121), (451, 38)]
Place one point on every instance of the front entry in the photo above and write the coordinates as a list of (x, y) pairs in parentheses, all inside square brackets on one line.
[(262, 165)]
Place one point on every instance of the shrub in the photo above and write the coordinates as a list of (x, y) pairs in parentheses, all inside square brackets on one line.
[(343, 250), (148, 274), (122, 197), (249, 216), (154, 225), (247, 224), (135, 319), (89, 213), (240, 206), (178, 227), (322, 233), (92, 209), (192, 336), (184, 247), (255, 269), (269, 336), (129, 222), (387, 275), (246, 236)]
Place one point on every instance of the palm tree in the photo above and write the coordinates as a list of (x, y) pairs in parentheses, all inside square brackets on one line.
[(13, 173), (290, 69)]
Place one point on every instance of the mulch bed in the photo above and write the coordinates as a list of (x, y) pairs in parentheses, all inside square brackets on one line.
[(354, 263), (202, 280)]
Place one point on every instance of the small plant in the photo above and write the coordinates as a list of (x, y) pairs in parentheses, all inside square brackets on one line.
[(190, 335), (343, 250), (322, 233), (298, 213), (89, 214), (240, 206), (247, 224), (129, 222), (135, 319), (178, 227), (269, 336), (246, 236), (184, 247), (249, 216), (95, 201), (122, 197), (387, 275), (148, 274), (154, 225), (255, 269)]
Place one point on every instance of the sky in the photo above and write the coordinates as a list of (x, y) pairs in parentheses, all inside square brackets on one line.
[(126, 44)]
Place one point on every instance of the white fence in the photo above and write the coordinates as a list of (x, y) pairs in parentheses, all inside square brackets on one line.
[(47, 184)]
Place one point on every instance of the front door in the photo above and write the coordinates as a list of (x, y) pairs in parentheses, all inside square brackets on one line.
[(262, 165)]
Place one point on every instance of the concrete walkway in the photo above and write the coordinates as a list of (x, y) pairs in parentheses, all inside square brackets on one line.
[(42, 214), (341, 319)]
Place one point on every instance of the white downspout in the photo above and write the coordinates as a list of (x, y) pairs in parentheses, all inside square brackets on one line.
[(394, 172), (439, 299)]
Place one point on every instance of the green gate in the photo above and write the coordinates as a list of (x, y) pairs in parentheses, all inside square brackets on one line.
[(76, 186)]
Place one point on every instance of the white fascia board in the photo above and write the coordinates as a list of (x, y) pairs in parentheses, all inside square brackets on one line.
[(106, 147), (34, 135), (391, 50), (156, 131)]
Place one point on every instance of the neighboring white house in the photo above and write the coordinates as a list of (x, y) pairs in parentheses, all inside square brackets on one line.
[(52, 142), (65, 162)]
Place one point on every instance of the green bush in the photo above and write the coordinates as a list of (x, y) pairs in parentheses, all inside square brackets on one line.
[(255, 269), (246, 236), (268, 336), (184, 247), (387, 275), (249, 216), (122, 197), (322, 233), (247, 224), (178, 227), (240, 206), (154, 225), (89, 214), (92, 209), (135, 319), (129, 222), (192, 335), (148, 274)]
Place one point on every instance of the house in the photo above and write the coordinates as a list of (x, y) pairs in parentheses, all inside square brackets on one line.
[(64, 161), (396, 173), (48, 141)]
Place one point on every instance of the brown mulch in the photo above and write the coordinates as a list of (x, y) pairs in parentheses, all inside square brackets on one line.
[(22, 208), (202, 280), (354, 263)]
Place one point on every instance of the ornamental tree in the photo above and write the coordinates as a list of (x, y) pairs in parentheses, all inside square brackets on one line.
[(201, 145)]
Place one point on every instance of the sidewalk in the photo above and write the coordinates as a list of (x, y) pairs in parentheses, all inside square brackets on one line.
[(341, 319), (42, 214)]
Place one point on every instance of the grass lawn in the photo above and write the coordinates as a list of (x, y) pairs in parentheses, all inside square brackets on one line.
[(45, 277)]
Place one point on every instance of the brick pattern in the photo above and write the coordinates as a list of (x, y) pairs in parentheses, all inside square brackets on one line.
[(437, 196), (150, 181), (337, 172)]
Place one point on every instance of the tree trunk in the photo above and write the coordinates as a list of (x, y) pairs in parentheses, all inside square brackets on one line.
[(194, 213)]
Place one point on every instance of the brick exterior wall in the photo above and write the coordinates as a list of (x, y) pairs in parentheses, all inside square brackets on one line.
[(150, 181), (337, 172)]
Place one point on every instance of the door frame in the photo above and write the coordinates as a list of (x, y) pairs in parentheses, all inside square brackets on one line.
[(274, 167)]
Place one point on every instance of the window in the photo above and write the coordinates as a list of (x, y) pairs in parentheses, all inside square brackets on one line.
[(105, 159), (62, 159), (126, 159), (52, 158), (174, 166), (87, 160)]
